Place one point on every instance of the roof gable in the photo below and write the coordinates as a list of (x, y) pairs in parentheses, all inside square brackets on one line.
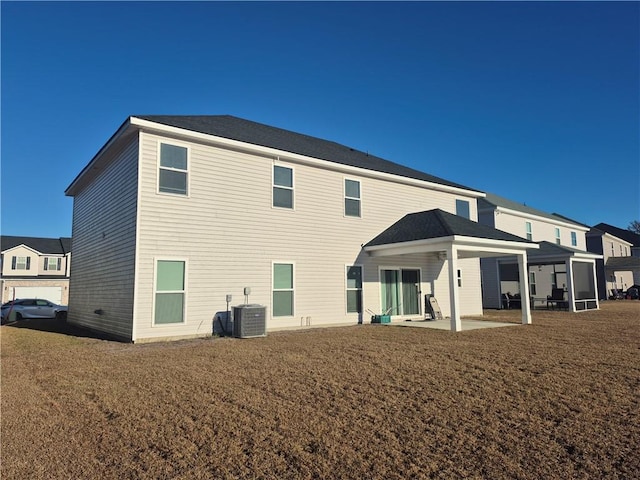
[(626, 235), (438, 224), (234, 128), (491, 201), (53, 246)]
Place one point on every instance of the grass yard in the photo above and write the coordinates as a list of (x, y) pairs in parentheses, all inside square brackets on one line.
[(556, 399)]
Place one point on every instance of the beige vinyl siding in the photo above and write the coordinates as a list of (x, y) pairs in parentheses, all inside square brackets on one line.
[(542, 230), (230, 234), (104, 236), (24, 252)]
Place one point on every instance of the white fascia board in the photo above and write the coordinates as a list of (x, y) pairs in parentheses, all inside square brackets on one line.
[(609, 236), (70, 191), (415, 246), (539, 218), (490, 245), (283, 155), (469, 244), (22, 245)]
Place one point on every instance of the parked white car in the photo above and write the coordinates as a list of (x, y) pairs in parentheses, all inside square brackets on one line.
[(26, 308)]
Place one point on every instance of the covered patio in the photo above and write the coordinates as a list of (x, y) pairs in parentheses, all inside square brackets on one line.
[(558, 269), (452, 238)]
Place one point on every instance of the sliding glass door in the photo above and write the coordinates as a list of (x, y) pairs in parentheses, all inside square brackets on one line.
[(400, 291)]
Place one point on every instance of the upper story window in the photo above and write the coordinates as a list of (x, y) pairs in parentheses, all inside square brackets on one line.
[(52, 263), (613, 250), (529, 231), (462, 209), (173, 172), (558, 236), (282, 187), (574, 239), (20, 263), (352, 198)]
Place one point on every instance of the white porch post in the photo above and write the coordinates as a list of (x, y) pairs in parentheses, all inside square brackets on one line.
[(595, 285), (570, 293), (524, 288), (454, 296)]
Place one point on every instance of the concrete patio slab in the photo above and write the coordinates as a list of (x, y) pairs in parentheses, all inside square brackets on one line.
[(445, 324)]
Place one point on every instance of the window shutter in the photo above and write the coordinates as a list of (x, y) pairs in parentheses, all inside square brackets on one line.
[(46, 263), (59, 263), (13, 263), (28, 263)]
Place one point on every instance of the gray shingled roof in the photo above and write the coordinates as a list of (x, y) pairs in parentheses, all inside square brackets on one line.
[(491, 200), (626, 235), (234, 128), (54, 246), (552, 249), (438, 224), (624, 262)]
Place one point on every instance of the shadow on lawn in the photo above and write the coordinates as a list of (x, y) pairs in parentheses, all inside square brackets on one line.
[(58, 326)]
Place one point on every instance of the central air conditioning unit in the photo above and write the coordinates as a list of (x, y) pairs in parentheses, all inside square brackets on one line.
[(249, 321)]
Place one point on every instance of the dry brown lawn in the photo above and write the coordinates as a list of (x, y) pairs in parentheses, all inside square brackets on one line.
[(556, 399)]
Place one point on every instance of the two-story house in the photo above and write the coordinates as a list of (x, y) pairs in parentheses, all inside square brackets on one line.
[(175, 214), (619, 268), (35, 268), (561, 262)]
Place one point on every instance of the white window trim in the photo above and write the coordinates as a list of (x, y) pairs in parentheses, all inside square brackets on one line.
[(292, 188), (558, 236), (347, 289), (468, 207), (528, 230), (57, 267), (345, 197), (574, 239), (293, 288), (155, 285), (533, 284), (187, 171)]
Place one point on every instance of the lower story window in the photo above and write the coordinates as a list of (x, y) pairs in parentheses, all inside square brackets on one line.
[(354, 289), (283, 293), (170, 292), (532, 283)]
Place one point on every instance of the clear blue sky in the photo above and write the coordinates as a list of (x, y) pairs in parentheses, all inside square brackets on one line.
[(538, 102)]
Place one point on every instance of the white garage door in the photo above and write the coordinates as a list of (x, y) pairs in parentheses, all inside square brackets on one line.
[(53, 294)]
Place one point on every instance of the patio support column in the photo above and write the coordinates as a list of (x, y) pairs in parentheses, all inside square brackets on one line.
[(454, 295), (595, 286), (570, 293), (524, 288)]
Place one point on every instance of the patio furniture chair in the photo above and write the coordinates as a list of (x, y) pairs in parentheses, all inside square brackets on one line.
[(511, 301), (556, 299)]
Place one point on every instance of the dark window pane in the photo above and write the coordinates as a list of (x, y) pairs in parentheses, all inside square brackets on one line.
[(283, 177), (173, 182), (173, 157), (282, 197), (351, 207)]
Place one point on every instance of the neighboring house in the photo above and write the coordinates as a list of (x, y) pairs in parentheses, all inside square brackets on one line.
[(619, 268), (175, 213), (35, 268), (561, 262)]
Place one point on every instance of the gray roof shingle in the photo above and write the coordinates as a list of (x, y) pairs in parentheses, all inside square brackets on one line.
[(626, 235), (491, 200), (438, 224), (54, 246), (234, 128)]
